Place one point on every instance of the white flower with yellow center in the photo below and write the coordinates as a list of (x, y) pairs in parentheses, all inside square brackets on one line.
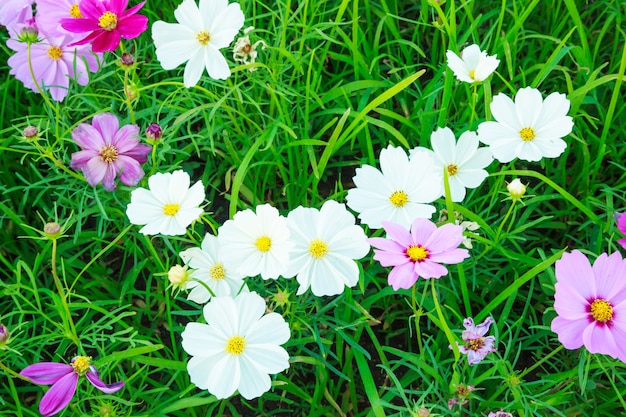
[(253, 244), (209, 271), (399, 192), (326, 243), (168, 207), (463, 160), (237, 348), (197, 38), (473, 66), (529, 128)]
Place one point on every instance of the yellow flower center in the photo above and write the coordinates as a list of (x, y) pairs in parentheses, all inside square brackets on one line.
[(108, 21), (108, 153), (75, 11), (601, 310), (217, 271), (263, 243), (472, 74), (318, 248), (54, 52), (170, 209), (203, 38), (399, 198), (81, 364), (527, 134), (452, 169), (476, 344), (417, 253), (235, 345)]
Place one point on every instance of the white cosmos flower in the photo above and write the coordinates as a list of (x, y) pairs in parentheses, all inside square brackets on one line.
[(464, 161), (168, 207), (473, 66), (326, 243), (209, 271), (197, 38), (238, 347), (254, 244), (399, 193), (529, 128)]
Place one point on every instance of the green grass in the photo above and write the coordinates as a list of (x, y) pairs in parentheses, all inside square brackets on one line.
[(337, 82)]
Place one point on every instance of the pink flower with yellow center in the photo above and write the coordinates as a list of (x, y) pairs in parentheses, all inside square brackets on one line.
[(419, 252), (591, 303), (107, 21), (108, 150)]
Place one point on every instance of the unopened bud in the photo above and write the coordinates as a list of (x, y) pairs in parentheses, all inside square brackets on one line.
[(154, 131), (516, 189), (131, 91), (52, 230), (30, 132), (127, 59), (4, 334), (423, 412), (178, 275)]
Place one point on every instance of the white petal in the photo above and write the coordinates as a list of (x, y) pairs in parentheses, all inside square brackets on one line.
[(194, 68), (215, 63)]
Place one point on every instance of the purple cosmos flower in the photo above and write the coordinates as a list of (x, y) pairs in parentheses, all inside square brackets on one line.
[(107, 150), (107, 21), (591, 303), (500, 413), (418, 253), (621, 225), (53, 63), (477, 346), (65, 379)]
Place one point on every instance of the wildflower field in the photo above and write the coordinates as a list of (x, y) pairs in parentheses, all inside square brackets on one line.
[(312, 208)]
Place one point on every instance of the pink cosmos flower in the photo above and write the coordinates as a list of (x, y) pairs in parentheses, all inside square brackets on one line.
[(591, 303), (50, 13), (107, 150), (53, 63), (65, 379), (477, 346), (418, 253), (13, 12), (108, 22), (500, 413), (621, 225)]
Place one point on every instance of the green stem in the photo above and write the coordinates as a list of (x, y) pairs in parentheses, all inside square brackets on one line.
[(417, 313), (12, 372), (57, 282), (506, 217), (444, 325), (448, 196)]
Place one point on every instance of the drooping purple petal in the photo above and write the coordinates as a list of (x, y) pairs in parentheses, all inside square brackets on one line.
[(95, 380), (59, 395), (46, 373)]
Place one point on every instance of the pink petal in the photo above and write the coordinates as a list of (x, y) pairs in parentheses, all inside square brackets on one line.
[(421, 230), (131, 172), (621, 223), (444, 238), (87, 137), (118, 6), (574, 269), (92, 9), (397, 233), (81, 158), (95, 380), (402, 276), (126, 138), (46, 373), (79, 25), (109, 177), (599, 339), (133, 26), (59, 395), (429, 269), (94, 171), (570, 332), (108, 125)]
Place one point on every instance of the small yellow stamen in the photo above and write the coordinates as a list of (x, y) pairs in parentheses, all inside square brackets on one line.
[(452, 169), (472, 74), (476, 344), (203, 37), (108, 21), (417, 253), (75, 11), (54, 52), (81, 364), (236, 345), (527, 134), (217, 271), (318, 248), (263, 243), (399, 198), (601, 310), (170, 209), (108, 153)]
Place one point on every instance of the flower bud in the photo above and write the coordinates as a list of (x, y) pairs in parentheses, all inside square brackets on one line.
[(27, 32), (4, 334), (52, 230), (131, 91), (127, 59), (154, 131), (516, 189), (423, 412), (178, 276), (30, 132)]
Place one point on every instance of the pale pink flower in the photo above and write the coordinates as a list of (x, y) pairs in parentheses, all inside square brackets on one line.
[(419, 252), (14, 12), (477, 345), (50, 13), (108, 150)]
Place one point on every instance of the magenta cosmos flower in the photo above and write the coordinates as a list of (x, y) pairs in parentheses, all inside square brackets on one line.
[(54, 62), (621, 226), (418, 253), (107, 21), (65, 379), (591, 303), (108, 150), (477, 346)]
